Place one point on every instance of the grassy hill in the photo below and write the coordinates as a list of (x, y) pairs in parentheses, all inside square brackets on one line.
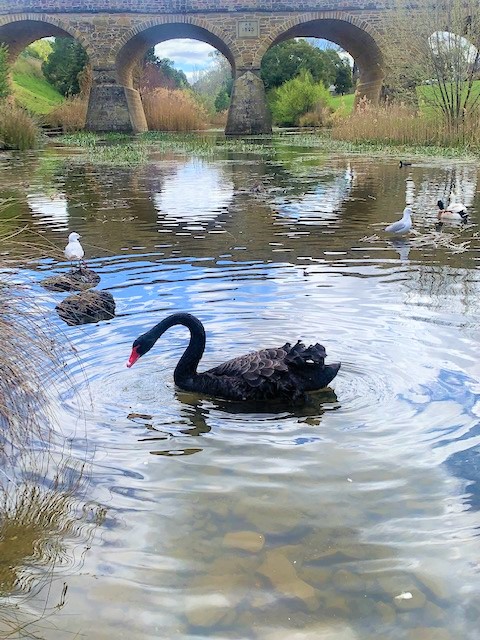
[(31, 90)]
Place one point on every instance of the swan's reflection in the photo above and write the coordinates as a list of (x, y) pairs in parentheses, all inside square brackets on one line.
[(200, 412)]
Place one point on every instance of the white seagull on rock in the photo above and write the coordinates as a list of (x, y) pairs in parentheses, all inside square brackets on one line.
[(401, 226), (74, 250)]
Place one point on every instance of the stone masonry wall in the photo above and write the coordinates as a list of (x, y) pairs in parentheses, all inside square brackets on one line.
[(185, 6)]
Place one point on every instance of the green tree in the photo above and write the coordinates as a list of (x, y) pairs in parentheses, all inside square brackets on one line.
[(344, 80), (222, 101), (4, 81), (64, 66), (297, 97), (284, 62)]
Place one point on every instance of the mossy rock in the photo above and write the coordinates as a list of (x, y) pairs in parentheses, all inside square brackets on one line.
[(86, 307), (76, 280)]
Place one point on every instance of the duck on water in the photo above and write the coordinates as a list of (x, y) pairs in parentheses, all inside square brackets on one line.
[(284, 373)]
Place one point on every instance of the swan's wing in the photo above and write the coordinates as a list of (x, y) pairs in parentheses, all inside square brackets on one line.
[(253, 366), (274, 366)]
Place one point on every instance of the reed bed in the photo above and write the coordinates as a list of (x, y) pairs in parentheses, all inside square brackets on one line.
[(70, 115), (18, 130), (173, 110), (42, 484), (398, 124)]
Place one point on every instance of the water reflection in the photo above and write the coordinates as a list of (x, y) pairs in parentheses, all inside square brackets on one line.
[(231, 521)]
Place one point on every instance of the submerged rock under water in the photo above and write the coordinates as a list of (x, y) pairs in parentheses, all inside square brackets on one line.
[(86, 307), (78, 279)]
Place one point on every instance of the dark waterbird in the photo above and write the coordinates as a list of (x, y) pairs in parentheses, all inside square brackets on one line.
[(286, 373)]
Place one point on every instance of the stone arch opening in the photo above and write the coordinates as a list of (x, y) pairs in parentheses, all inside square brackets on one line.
[(18, 33), (353, 38), (137, 45)]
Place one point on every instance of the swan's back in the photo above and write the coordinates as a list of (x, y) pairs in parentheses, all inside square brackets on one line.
[(283, 372)]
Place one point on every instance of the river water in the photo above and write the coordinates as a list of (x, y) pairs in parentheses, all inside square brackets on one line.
[(355, 516)]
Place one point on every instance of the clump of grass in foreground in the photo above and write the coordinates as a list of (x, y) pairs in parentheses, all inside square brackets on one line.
[(17, 129)]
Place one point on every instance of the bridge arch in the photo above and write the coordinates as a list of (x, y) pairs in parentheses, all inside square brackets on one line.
[(19, 30), (138, 40), (354, 35)]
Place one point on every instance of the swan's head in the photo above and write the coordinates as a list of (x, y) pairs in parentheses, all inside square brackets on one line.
[(73, 237), (140, 347)]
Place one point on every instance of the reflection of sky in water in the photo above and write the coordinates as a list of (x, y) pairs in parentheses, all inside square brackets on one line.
[(197, 193), (320, 204), (51, 211), (423, 195)]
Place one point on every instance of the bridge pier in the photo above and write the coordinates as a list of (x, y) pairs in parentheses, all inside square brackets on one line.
[(113, 107), (248, 113)]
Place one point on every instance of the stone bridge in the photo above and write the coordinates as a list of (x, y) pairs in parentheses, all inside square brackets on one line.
[(117, 33)]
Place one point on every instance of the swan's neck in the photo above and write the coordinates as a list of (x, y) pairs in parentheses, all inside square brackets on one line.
[(187, 365)]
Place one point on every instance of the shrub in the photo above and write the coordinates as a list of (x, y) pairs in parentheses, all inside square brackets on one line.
[(18, 130), (297, 97), (173, 110), (70, 116)]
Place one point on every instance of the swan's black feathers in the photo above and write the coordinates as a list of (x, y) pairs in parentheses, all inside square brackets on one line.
[(286, 373), (270, 372)]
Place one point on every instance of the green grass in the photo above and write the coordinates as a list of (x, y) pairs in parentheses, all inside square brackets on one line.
[(31, 90), (343, 102)]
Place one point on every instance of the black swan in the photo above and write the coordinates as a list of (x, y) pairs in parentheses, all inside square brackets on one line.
[(284, 373)]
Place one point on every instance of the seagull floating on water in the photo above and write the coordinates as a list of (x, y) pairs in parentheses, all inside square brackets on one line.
[(74, 250), (401, 226)]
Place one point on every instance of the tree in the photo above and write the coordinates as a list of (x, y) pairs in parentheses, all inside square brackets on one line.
[(431, 56), (159, 72), (343, 80), (64, 66), (213, 86), (222, 100), (284, 62), (4, 81)]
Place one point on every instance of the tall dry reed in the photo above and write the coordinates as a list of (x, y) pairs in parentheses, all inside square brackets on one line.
[(18, 130), (400, 124), (70, 115), (173, 110)]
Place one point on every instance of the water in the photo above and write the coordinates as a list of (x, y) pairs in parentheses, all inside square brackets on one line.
[(352, 517)]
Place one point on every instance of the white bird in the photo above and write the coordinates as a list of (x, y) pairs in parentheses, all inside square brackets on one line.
[(401, 226), (74, 250), (454, 211)]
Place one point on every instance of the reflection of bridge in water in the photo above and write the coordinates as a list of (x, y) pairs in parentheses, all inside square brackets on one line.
[(329, 206)]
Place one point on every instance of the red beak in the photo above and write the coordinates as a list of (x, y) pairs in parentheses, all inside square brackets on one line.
[(134, 356)]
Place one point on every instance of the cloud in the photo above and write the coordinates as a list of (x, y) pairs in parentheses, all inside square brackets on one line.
[(187, 55)]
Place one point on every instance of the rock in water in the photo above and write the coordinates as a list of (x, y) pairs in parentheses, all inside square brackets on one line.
[(86, 307), (76, 280)]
